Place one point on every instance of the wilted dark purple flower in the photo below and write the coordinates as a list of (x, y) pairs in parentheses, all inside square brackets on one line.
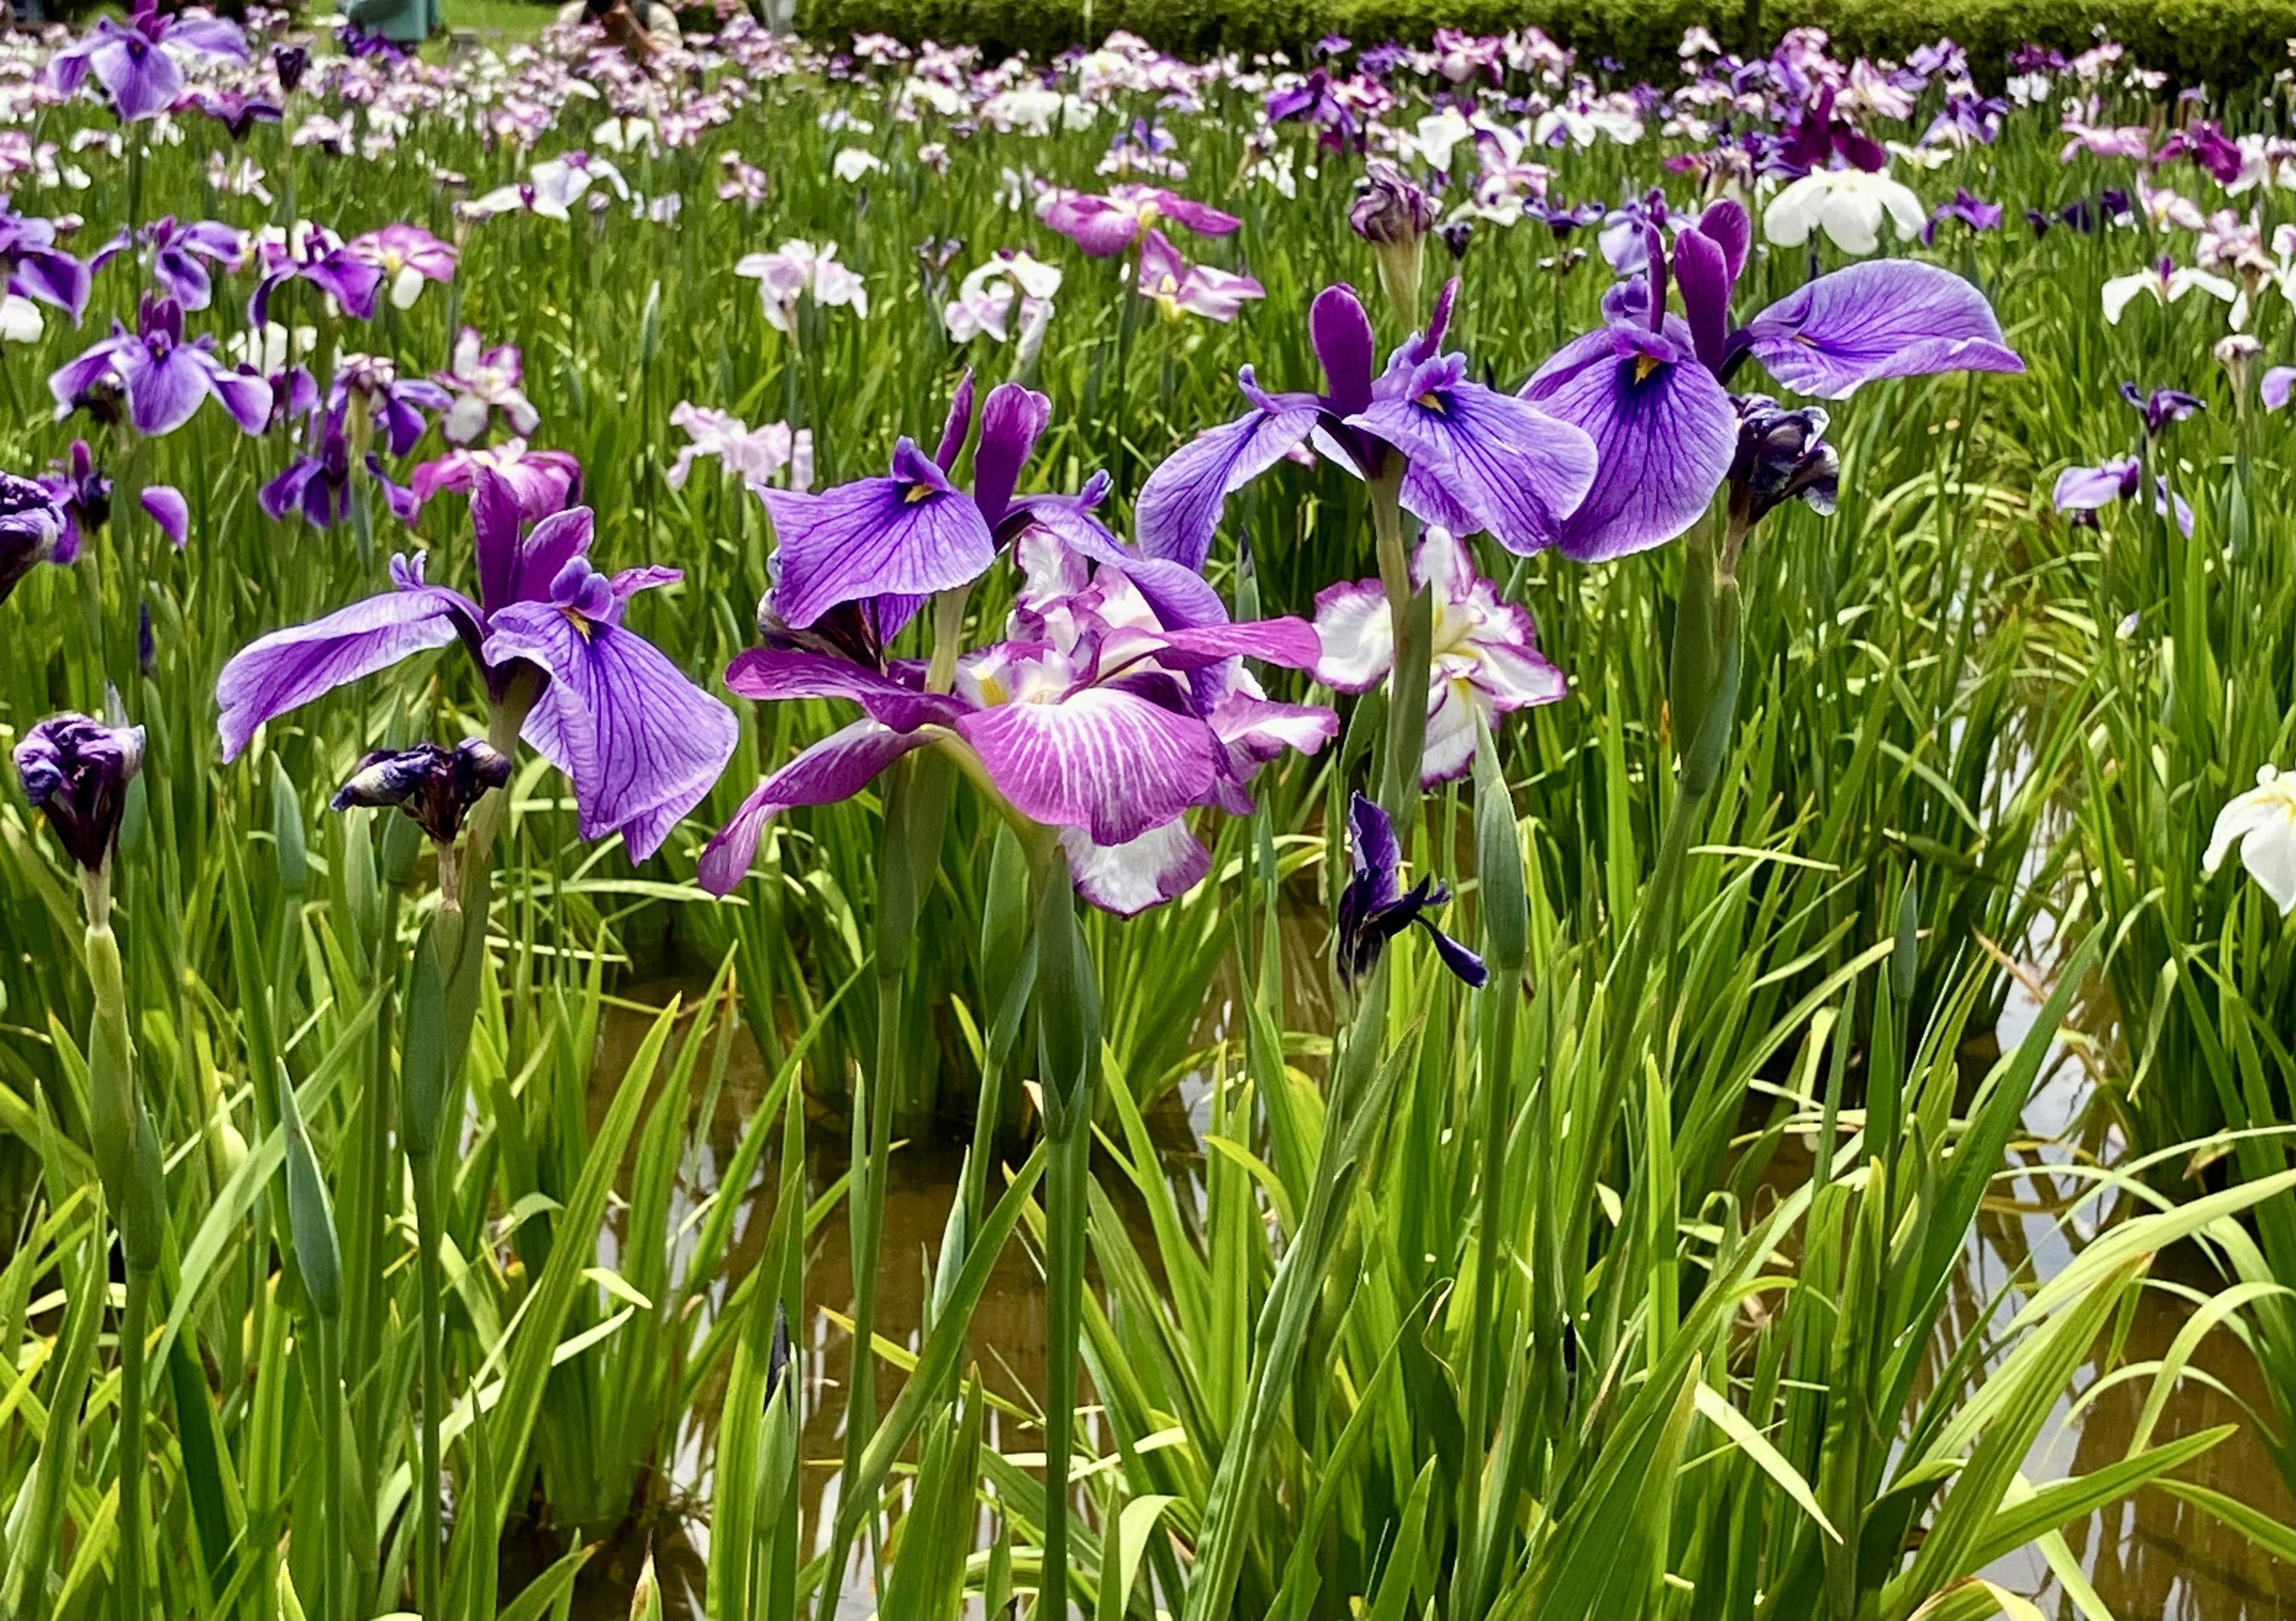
[(1474, 460), (1375, 907), (163, 377), (2204, 141), (1782, 457), (1455, 236), (33, 526), (289, 62), (368, 388), (1389, 211), (640, 743), (434, 785), (2160, 407), (130, 59), (1816, 137), (1649, 388), (76, 769)]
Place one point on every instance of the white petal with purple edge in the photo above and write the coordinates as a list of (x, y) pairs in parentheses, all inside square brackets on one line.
[(1160, 866), (1110, 762), (1357, 634), (1450, 747)]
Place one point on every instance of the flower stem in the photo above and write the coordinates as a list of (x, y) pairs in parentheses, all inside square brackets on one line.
[(131, 1600), (1411, 614), (333, 1598), (429, 1297)]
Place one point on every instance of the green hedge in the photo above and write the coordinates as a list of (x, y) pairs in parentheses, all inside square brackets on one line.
[(2215, 42)]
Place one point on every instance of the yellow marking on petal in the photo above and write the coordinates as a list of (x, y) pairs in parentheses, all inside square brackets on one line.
[(1430, 401), (582, 626), (1644, 364), (916, 493)]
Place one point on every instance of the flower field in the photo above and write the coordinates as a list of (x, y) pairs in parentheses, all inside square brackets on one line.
[(857, 831)]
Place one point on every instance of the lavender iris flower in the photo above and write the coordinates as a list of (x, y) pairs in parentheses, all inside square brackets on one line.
[(314, 254), (237, 111), (1484, 654), (1649, 388), (642, 743), (898, 539), (37, 268), (1117, 704), (76, 770), (2160, 407), (1474, 459), (2082, 491), (1105, 226), (175, 254), (163, 377), (1969, 208), (545, 481), (1375, 907), (33, 530), (319, 485), (1316, 99), (131, 60)]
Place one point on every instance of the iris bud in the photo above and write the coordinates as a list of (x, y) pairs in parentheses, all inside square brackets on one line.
[(1782, 457), (77, 770)]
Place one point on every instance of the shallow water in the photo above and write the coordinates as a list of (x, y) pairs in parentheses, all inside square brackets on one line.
[(2148, 1556)]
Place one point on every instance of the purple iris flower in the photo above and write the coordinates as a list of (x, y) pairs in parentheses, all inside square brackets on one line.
[(319, 484), (2082, 491), (1649, 388), (163, 377), (640, 743), (1816, 137), (1117, 704), (2160, 407), (1105, 226), (289, 62), (173, 253), (898, 539), (1375, 907), (130, 59), (545, 481), (76, 770), (2275, 388), (2204, 141), (1474, 459), (37, 268), (1969, 208), (1562, 220), (313, 253), (1316, 99), (236, 112), (82, 492), (33, 530)]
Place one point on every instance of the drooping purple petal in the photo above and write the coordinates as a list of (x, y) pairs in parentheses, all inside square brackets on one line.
[(1664, 434), (640, 743), (1883, 318), (2085, 489), (247, 396), (771, 674), (912, 535), (163, 390), (1162, 865), (1290, 643), (1105, 760), (837, 768), (274, 673), (1179, 506), (1518, 470), (2276, 386), (169, 510)]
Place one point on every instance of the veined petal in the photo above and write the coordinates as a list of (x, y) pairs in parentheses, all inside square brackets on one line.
[(642, 743), (837, 768), (1664, 433), (1517, 470), (770, 674), (1356, 634), (1179, 506), (274, 673), (1161, 864), (1290, 643), (910, 535), (163, 393), (1890, 318), (1107, 761)]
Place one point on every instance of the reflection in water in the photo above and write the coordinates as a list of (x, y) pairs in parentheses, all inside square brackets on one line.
[(2148, 1556)]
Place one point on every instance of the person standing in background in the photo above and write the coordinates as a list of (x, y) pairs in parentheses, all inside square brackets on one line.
[(406, 23), (643, 28)]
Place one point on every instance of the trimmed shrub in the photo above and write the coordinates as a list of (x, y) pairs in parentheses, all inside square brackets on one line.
[(2216, 42)]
